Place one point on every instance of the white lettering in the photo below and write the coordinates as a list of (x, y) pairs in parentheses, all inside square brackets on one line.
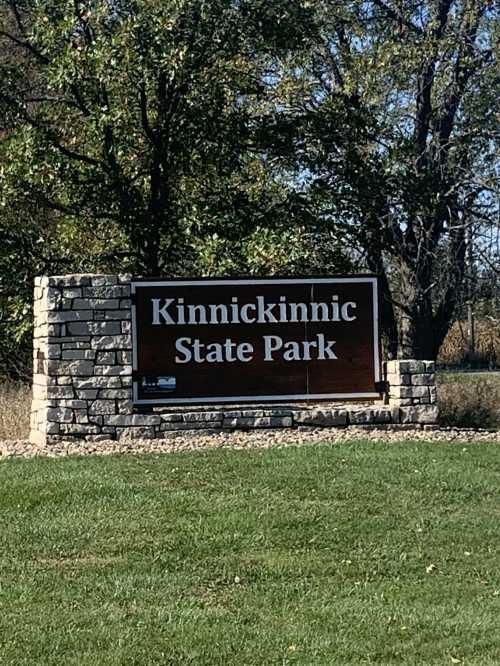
[(214, 319), (325, 349), (271, 343), (294, 312), (179, 346), (157, 311), (214, 353), (244, 352), (244, 313), (344, 311), (265, 315), (202, 315), (292, 351)]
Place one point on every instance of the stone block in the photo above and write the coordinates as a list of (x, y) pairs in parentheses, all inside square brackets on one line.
[(76, 342), (51, 428), (95, 328), (124, 420), (117, 314), (80, 429), (59, 414), (424, 414), (124, 406), (97, 382), (72, 292), (104, 280), (124, 357), (87, 394), (78, 354), (75, 280), (399, 380), (321, 417), (143, 432), (369, 416), (65, 381), (412, 366), (53, 351), (115, 291), (171, 418), (65, 316), (81, 416), (258, 422), (112, 370), (409, 392), (190, 417), (71, 403), (432, 394), (105, 358), (73, 368), (252, 413), (430, 366), (395, 415), (95, 304), (193, 425), (392, 367), (103, 407), (61, 392), (112, 342), (44, 380), (115, 394), (426, 379), (52, 300), (37, 437), (126, 326)]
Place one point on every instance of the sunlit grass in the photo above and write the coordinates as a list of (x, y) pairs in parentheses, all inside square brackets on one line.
[(347, 554)]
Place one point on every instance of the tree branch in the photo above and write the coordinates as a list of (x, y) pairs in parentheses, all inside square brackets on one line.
[(396, 16), (25, 45), (144, 113)]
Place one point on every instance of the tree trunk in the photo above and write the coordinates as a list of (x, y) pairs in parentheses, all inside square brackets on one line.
[(145, 241), (417, 335)]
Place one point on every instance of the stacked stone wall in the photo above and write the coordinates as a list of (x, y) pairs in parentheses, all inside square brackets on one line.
[(411, 389), (82, 360), (82, 381)]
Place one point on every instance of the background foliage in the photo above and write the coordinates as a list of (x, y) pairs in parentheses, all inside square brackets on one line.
[(183, 137)]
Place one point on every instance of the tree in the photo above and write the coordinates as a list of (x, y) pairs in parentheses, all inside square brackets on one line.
[(414, 83), (136, 115)]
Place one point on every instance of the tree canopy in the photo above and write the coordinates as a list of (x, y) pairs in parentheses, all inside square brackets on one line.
[(223, 136)]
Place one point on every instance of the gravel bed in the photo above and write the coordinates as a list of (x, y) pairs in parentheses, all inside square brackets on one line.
[(257, 439)]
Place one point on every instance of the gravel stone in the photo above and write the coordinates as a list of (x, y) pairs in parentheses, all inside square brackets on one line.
[(261, 439)]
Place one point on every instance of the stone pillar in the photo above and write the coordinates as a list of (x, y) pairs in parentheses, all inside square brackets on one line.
[(82, 372), (412, 391)]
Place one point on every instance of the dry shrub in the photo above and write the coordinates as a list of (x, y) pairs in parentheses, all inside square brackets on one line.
[(470, 403), (15, 402), (454, 350)]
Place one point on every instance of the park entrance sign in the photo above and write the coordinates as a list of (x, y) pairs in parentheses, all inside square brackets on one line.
[(231, 341)]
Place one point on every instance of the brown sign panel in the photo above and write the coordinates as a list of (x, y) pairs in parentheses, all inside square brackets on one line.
[(215, 341)]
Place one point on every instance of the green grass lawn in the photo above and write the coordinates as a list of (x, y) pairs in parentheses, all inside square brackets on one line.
[(348, 554)]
